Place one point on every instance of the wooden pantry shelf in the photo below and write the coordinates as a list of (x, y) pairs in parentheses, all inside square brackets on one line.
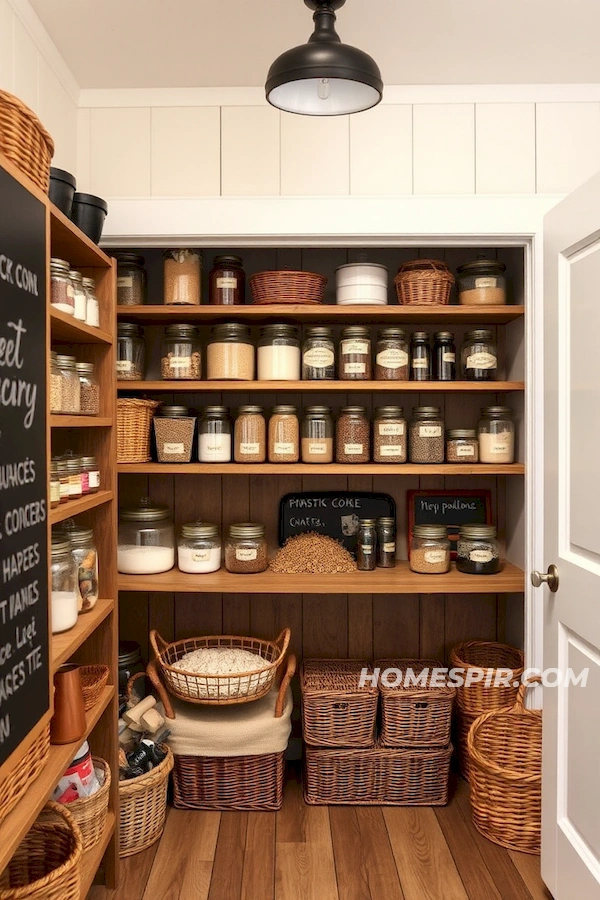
[(347, 387), (80, 421), (399, 580), (93, 857), (66, 328), (68, 242), (82, 504), (154, 468), (65, 644)]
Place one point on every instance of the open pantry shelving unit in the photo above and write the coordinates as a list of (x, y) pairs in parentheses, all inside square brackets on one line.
[(386, 613)]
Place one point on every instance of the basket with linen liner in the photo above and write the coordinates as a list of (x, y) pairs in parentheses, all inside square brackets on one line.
[(505, 750), (90, 812), (287, 286), (424, 282), (134, 420), (416, 715), (15, 783), (483, 659), (196, 687), (336, 711), (25, 141)]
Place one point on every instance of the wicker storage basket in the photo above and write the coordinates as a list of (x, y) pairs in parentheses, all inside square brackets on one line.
[(505, 748), (219, 689), (25, 141), (14, 785), (424, 282), (416, 715), (336, 711), (377, 776), (47, 862), (93, 681), (485, 658), (143, 808), (134, 421), (462, 724), (287, 286), (90, 812)]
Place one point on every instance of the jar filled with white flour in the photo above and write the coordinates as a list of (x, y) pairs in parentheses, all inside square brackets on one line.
[(146, 539), (199, 548)]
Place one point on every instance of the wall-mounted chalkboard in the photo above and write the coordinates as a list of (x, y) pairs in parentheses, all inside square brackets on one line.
[(24, 676), (450, 508), (334, 513)]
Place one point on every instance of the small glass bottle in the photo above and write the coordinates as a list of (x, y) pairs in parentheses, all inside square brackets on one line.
[(462, 445), (199, 548), (444, 356), (61, 287), (479, 356), (182, 271), (355, 354), (278, 353), (284, 435), (89, 389), (420, 356), (92, 316), (181, 359), (55, 385), (386, 542), (230, 353), (63, 476), (317, 435), (54, 484), (227, 281), (496, 432), (63, 573), (391, 357), (389, 435), (426, 438), (131, 279), (250, 435), (246, 548), (352, 436), (318, 354), (130, 352), (71, 390), (79, 296), (214, 435), (430, 550), (90, 474), (477, 550), (366, 546)]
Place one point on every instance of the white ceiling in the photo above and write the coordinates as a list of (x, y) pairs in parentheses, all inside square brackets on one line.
[(231, 43)]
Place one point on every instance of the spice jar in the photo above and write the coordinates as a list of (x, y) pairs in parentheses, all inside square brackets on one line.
[(426, 438), (131, 279), (54, 484), (444, 356), (482, 283), (496, 432), (477, 550), (430, 550), (278, 354), (146, 543), (55, 385), (63, 574), (71, 391), (92, 316), (284, 435), (61, 288), (389, 435), (462, 445), (89, 389), (318, 354), (479, 356), (420, 356), (63, 477), (199, 548), (391, 357), (366, 546), (181, 353), (214, 435), (317, 435), (352, 445), (355, 354), (230, 353), (79, 296), (246, 548), (90, 475), (73, 465), (227, 281), (85, 556), (130, 352), (174, 433), (250, 442), (182, 271), (386, 542)]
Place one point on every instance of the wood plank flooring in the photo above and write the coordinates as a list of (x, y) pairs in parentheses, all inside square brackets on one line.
[(328, 853)]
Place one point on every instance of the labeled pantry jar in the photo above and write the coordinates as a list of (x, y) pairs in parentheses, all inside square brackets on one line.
[(54, 484), (199, 548), (366, 546), (63, 575), (230, 353), (391, 356), (386, 542), (426, 435), (79, 295), (477, 550), (462, 445), (55, 384), (89, 389), (317, 435), (174, 432), (318, 354), (73, 468), (182, 270), (226, 282), (146, 543), (430, 550), (496, 432), (181, 360), (352, 444), (61, 287), (479, 356), (71, 389), (246, 548), (355, 354), (63, 476), (481, 283), (444, 356), (131, 279), (130, 352), (92, 316), (284, 435), (420, 356), (389, 435), (278, 354), (214, 435), (90, 475), (250, 435)]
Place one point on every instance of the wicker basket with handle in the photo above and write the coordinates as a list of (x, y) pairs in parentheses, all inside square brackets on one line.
[(93, 681), (287, 286), (415, 715), (24, 140), (134, 421), (483, 663), (424, 282), (90, 812), (14, 785), (143, 807), (505, 750), (336, 710), (196, 687)]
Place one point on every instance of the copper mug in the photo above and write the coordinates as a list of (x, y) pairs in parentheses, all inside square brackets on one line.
[(68, 723)]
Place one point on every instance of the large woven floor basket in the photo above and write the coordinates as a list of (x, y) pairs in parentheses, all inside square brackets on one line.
[(482, 662), (505, 750), (424, 282), (336, 711), (24, 140), (143, 808), (47, 863), (16, 782), (134, 420), (287, 286)]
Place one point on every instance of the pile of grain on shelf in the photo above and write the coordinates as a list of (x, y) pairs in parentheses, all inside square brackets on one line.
[(312, 554)]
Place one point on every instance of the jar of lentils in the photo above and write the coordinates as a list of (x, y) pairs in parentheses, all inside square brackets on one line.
[(353, 436), (130, 352), (462, 445), (93, 306), (246, 548), (477, 550), (227, 282), (230, 353), (430, 550), (214, 435), (174, 432), (426, 438), (131, 279), (250, 435), (391, 356), (71, 390), (278, 354), (182, 271), (284, 435), (389, 435), (420, 356), (355, 354), (181, 360), (89, 389), (479, 356), (317, 435), (61, 288), (79, 296), (318, 354)]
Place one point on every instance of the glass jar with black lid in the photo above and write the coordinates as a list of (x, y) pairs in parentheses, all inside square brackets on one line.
[(366, 546), (481, 283), (214, 435), (181, 359), (477, 550), (317, 435), (278, 353), (444, 356), (230, 353), (131, 279), (130, 352), (420, 356), (227, 281), (391, 356), (146, 543), (479, 356), (318, 354), (355, 354)]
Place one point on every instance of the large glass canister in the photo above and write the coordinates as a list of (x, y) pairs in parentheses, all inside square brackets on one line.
[(182, 277), (284, 435), (318, 354), (226, 282), (214, 435), (181, 357), (199, 548), (230, 353), (63, 572), (317, 435), (496, 433), (481, 283), (174, 432), (146, 544), (131, 279), (130, 352), (426, 435), (278, 354), (479, 356)]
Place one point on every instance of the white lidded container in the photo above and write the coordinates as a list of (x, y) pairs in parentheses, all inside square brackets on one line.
[(361, 283)]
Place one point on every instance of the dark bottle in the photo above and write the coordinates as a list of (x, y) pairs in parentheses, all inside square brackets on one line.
[(226, 282), (420, 356), (366, 546), (444, 356)]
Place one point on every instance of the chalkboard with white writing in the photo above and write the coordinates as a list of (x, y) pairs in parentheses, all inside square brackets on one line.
[(449, 508), (334, 513), (24, 676)]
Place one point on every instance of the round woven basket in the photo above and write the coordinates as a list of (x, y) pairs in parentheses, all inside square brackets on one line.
[(482, 660), (287, 286), (143, 808), (134, 420), (90, 812), (93, 682), (24, 140), (424, 282)]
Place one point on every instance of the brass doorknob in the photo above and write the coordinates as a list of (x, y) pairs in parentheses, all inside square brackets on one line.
[(550, 578)]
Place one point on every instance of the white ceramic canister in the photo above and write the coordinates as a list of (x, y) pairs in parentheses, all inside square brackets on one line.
[(361, 283)]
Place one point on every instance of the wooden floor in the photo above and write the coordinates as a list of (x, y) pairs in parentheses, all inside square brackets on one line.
[(328, 853)]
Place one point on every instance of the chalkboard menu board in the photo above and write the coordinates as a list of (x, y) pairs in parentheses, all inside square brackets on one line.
[(449, 508), (24, 694), (334, 513)]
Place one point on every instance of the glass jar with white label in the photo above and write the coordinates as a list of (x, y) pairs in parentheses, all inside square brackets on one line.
[(426, 435), (366, 546), (174, 429), (462, 445), (479, 356), (250, 435), (90, 474), (352, 435), (496, 432), (429, 550), (130, 352), (355, 354), (246, 548), (226, 282), (392, 355), (131, 279), (214, 435), (420, 356), (318, 354), (477, 550), (181, 359), (389, 435), (481, 283), (317, 435), (284, 435), (443, 356), (199, 548)]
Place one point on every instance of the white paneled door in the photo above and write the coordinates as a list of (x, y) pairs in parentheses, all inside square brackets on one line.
[(571, 753)]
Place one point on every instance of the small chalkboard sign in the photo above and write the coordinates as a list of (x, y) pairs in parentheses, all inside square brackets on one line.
[(334, 513), (450, 508)]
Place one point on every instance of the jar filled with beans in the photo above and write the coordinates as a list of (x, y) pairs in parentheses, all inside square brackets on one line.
[(182, 277), (353, 435), (181, 359), (130, 352), (174, 431), (391, 357), (131, 279), (317, 435), (430, 550), (389, 435), (246, 548), (71, 390), (55, 384), (284, 435), (89, 389), (462, 445), (250, 435), (230, 353), (426, 437), (355, 354)]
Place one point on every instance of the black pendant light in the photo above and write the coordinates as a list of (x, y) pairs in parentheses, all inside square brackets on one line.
[(324, 77)]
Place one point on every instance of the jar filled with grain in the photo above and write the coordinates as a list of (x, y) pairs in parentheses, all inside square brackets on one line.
[(482, 283), (73, 467), (89, 389), (284, 435), (366, 546), (55, 384), (54, 485), (199, 548), (352, 444), (63, 476), (181, 360), (479, 356), (420, 356), (250, 435), (318, 354), (462, 445), (386, 542), (426, 436), (444, 356), (130, 352), (93, 306), (389, 435), (496, 433), (355, 354), (227, 281), (246, 548), (391, 356), (174, 432), (131, 279), (146, 542), (317, 435), (90, 474), (71, 390), (477, 550), (230, 353), (278, 354), (79, 295), (430, 550), (182, 271), (214, 435), (61, 288)]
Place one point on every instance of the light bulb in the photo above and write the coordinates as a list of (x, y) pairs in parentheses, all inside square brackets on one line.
[(324, 88)]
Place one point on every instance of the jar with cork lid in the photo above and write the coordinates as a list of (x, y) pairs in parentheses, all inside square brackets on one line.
[(226, 282), (430, 550), (284, 435)]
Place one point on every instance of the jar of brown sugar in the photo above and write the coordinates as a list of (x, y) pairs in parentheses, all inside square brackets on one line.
[(250, 435), (182, 277), (482, 283), (391, 357), (462, 445), (352, 445), (230, 353), (226, 283), (355, 354), (430, 550), (389, 435), (284, 435), (317, 435), (246, 548)]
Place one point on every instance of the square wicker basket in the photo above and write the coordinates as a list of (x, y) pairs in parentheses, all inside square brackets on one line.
[(336, 711), (419, 715)]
